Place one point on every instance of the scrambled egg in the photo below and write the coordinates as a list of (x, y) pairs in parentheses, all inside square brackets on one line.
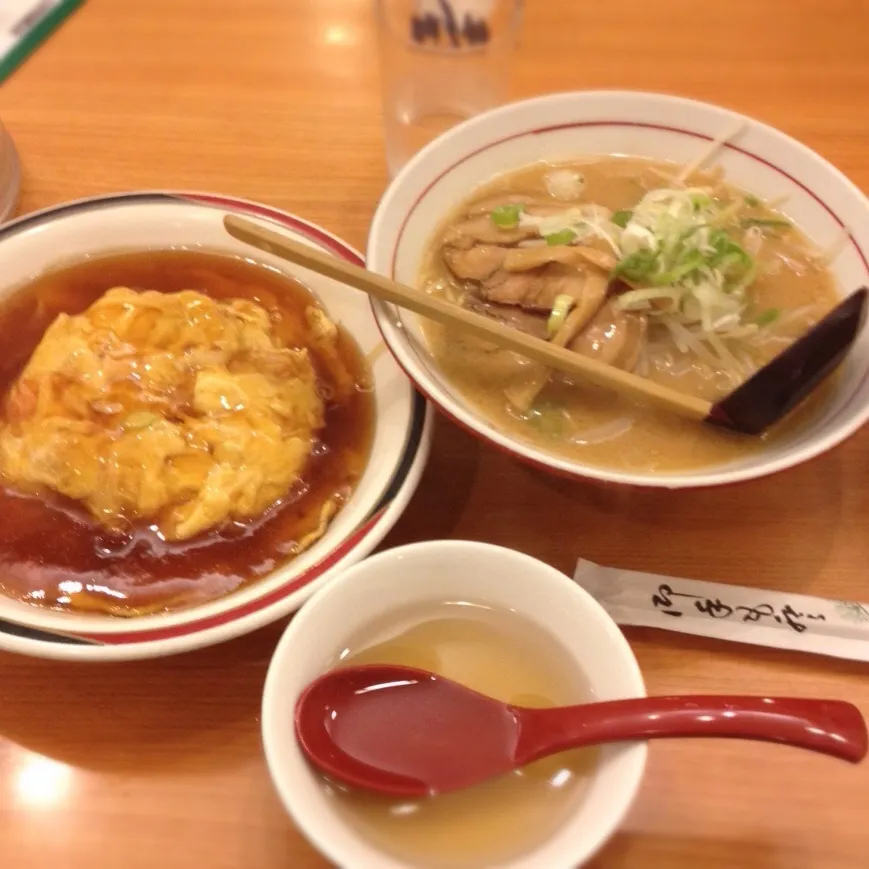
[(172, 408)]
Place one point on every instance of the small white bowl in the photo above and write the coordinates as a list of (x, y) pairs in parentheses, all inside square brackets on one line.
[(760, 159), (155, 221), (439, 571)]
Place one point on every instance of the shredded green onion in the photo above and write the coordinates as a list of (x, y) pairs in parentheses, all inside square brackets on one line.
[(699, 199), (560, 310), (584, 221), (752, 201), (565, 236), (506, 216), (730, 259), (767, 317), (622, 218), (638, 266), (682, 264)]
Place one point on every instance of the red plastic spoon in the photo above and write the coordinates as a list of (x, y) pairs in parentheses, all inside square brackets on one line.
[(408, 733)]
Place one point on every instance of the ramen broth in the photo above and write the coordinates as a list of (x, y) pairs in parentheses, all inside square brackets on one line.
[(52, 550), (584, 423), (504, 656)]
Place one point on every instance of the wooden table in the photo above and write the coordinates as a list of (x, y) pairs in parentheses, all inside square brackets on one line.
[(158, 764)]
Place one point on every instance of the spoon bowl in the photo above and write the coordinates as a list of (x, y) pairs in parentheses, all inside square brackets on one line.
[(406, 732)]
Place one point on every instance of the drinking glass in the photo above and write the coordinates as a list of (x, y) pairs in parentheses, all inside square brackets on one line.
[(442, 61)]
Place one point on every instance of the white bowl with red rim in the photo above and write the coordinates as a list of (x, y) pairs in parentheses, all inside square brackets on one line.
[(821, 201), (102, 226)]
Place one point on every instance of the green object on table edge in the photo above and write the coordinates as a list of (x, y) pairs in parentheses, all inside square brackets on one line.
[(41, 27)]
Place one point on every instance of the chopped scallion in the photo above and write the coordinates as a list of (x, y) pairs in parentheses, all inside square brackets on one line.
[(683, 266), (560, 310), (638, 266), (622, 218), (767, 317), (506, 216), (548, 419), (565, 236), (699, 200), (752, 201), (692, 260)]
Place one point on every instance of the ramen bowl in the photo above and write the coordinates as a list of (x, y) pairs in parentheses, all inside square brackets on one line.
[(379, 589), (817, 198), (93, 228)]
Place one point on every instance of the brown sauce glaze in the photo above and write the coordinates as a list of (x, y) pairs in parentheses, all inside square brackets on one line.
[(49, 547)]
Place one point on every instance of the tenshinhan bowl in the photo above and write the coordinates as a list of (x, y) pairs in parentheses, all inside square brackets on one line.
[(90, 228), (821, 201)]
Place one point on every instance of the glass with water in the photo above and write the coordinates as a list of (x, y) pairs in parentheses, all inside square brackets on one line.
[(442, 61)]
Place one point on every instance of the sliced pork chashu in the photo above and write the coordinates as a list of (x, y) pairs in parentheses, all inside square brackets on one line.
[(613, 337)]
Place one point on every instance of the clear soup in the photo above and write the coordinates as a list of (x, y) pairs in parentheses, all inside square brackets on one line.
[(503, 655)]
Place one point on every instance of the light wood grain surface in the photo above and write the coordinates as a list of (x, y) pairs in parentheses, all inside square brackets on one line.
[(159, 764)]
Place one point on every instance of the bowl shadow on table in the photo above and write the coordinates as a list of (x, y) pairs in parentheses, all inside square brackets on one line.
[(776, 532), (141, 716), (443, 493)]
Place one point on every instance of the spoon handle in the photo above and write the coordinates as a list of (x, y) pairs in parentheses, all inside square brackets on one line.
[(830, 727)]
